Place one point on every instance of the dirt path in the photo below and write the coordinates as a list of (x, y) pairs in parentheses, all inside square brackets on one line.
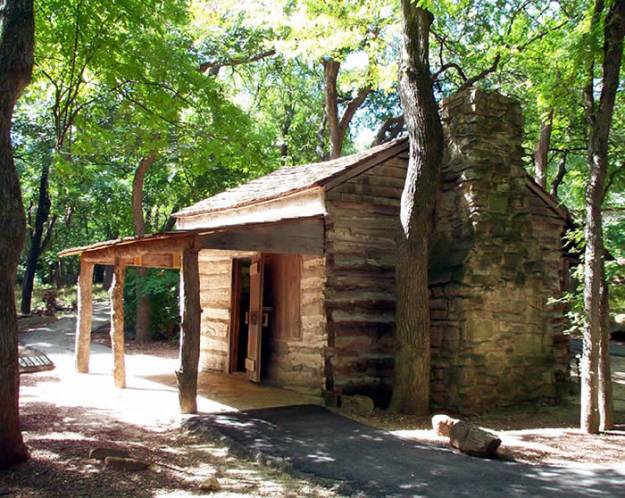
[(65, 414)]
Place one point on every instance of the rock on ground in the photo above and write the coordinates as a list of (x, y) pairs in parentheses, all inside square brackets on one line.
[(357, 404)]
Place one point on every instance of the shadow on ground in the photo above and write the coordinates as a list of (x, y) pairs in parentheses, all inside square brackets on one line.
[(310, 440)]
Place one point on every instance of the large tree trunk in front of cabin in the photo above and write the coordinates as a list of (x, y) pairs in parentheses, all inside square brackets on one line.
[(411, 383), (17, 28), (142, 322), (600, 121), (541, 155), (36, 240)]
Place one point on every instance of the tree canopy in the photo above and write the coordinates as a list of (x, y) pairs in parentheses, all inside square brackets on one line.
[(220, 92)]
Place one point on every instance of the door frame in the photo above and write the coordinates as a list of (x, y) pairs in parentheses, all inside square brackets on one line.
[(235, 316)]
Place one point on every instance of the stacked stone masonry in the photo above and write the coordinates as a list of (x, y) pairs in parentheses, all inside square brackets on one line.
[(496, 263)]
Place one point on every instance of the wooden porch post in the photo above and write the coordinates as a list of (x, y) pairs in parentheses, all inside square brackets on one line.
[(190, 312), (116, 293), (83, 321)]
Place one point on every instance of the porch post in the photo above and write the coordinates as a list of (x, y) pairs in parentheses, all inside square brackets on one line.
[(116, 294), (189, 332), (83, 320)]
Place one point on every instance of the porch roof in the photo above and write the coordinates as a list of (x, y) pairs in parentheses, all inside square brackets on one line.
[(162, 250)]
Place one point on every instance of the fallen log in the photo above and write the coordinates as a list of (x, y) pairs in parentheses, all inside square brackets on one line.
[(472, 440), (442, 424), (466, 437)]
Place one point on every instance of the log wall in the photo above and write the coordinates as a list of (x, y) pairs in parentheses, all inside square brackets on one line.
[(495, 263), (295, 359), (360, 292), (215, 288)]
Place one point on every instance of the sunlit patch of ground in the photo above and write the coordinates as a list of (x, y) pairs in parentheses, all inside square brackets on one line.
[(65, 414), (536, 434)]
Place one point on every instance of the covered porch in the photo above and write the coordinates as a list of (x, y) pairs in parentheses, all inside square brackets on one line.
[(179, 250)]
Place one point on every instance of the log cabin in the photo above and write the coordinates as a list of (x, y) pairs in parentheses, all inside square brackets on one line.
[(290, 278)]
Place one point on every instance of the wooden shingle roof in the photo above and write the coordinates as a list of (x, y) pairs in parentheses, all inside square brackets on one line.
[(291, 179)]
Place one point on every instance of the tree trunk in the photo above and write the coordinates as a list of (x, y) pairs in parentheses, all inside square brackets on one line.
[(600, 121), (43, 211), (107, 277), (606, 401), (411, 383), (541, 158), (142, 323), (17, 27), (338, 126), (555, 185), (330, 76)]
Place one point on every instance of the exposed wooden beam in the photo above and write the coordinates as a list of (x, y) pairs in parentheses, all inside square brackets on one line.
[(116, 293), (190, 331), (139, 248), (83, 320), (302, 236)]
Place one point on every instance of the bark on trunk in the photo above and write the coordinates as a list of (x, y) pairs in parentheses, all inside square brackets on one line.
[(338, 126), (541, 158), (16, 62), (142, 322), (411, 383), (555, 185), (330, 76), (600, 121), (36, 241), (606, 401), (190, 313)]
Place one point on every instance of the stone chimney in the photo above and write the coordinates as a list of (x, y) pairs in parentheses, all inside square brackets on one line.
[(495, 263)]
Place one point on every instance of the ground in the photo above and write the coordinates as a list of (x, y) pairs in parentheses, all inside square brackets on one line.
[(534, 433), (65, 414)]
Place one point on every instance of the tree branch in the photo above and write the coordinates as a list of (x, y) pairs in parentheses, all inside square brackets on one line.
[(474, 79), (352, 106), (389, 130), (213, 67), (559, 175), (450, 65)]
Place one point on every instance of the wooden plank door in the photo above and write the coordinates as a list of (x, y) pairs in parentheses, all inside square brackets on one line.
[(235, 317), (255, 325)]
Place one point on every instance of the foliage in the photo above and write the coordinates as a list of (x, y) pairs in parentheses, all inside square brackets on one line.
[(116, 79), (162, 287)]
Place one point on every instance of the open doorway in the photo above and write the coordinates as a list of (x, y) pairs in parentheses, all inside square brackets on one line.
[(240, 310), (265, 311)]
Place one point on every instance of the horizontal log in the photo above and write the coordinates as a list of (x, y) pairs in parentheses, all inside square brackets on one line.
[(298, 237)]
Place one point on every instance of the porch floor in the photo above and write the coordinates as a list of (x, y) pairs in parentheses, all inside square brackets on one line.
[(218, 392), (151, 396)]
